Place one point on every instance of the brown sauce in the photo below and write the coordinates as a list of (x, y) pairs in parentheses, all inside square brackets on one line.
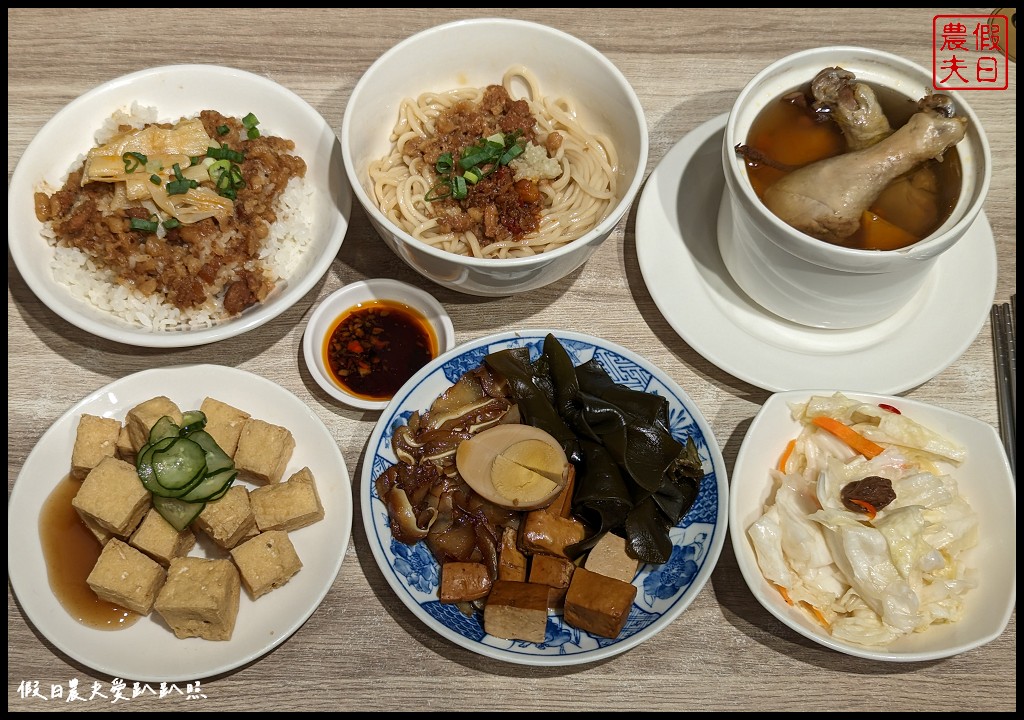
[(788, 134), (374, 347), (71, 551)]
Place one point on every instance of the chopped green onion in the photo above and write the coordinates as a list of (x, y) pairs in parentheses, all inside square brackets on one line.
[(221, 166), (225, 153), (471, 177), (223, 129), (180, 185), (511, 154), (144, 225), (439, 192), (444, 163), (133, 161), (459, 189), (475, 159), (250, 121), (155, 179), (171, 223), (497, 138), (194, 160), (252, 133)]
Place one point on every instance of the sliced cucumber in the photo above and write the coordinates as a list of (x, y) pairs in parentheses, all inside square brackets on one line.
[(192, 421), (212, 485), (144, 464), (181, 464), (165, 427), (216, 459), (178, 513)]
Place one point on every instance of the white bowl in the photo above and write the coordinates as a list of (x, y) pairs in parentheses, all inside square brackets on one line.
[(816, 283), (664, 591), (322, 323), (476, 53), (984, 480), (177, 91)]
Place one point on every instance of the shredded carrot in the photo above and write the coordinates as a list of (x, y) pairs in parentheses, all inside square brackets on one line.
[(851, 437), (818, 614), (785, 455), (868, 507), (784, 594)]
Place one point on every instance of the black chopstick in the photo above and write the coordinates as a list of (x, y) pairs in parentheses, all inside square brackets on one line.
[(1004, 349)]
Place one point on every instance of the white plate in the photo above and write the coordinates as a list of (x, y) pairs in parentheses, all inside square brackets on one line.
[(664, 591), (677, 248), (177, 91), (985, 481), (148, 651)]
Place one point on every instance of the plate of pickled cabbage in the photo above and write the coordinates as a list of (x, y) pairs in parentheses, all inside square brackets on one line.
[(544, 497), (878, 526)]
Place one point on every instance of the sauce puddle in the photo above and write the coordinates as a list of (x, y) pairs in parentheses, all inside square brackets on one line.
[(71, 551)]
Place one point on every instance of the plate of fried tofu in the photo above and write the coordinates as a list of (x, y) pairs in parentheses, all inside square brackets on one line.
[(258, 547), (538, 582)]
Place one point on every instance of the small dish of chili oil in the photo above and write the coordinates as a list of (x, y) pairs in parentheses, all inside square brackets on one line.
[(364, 341)]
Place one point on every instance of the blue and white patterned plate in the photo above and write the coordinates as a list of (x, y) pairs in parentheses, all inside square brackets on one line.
[(663, 591)]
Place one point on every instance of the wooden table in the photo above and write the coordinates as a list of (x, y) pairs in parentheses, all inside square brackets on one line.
[(362, 649)]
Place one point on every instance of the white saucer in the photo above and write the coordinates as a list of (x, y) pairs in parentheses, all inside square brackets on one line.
[(677, 248)]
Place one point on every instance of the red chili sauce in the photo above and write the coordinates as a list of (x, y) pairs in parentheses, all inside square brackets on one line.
[(374, 347)]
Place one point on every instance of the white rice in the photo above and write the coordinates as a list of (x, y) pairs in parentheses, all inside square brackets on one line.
[(284, 247)]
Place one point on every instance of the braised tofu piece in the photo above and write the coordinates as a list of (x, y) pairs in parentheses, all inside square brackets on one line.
[(556, 573), (547, 533), (113, 497), (597, 603), (125, 449), (609, 557), (464, 582), (287, 506), (141, 419), (200, 598), (263, 451), (266, 562), (95, 439), (157, 538), (562, 504), (517, 611), (511, 560), (124, 576), (224, 423), (229, 518)]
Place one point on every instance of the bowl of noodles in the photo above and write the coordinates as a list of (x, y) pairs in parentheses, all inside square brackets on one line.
[(492, 155), (178, 205)]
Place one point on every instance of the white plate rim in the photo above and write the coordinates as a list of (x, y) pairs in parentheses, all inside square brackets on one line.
[(320, 149), (372, 507), (190, 659), (939, 418), (900, 353)]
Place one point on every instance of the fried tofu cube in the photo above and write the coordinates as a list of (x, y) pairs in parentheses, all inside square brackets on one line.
[(200, 598), (517, 611), (95, 439), (125, 449), (511, 560), (547, 533), (287, 506), (224, 423), (609, 557), (598, 604), (267, 561), (157, 538), (463, 582), (113, 497), (141, 418), (101, 534), (263, 451), (229, 518), (124, 576), (556, 573)]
